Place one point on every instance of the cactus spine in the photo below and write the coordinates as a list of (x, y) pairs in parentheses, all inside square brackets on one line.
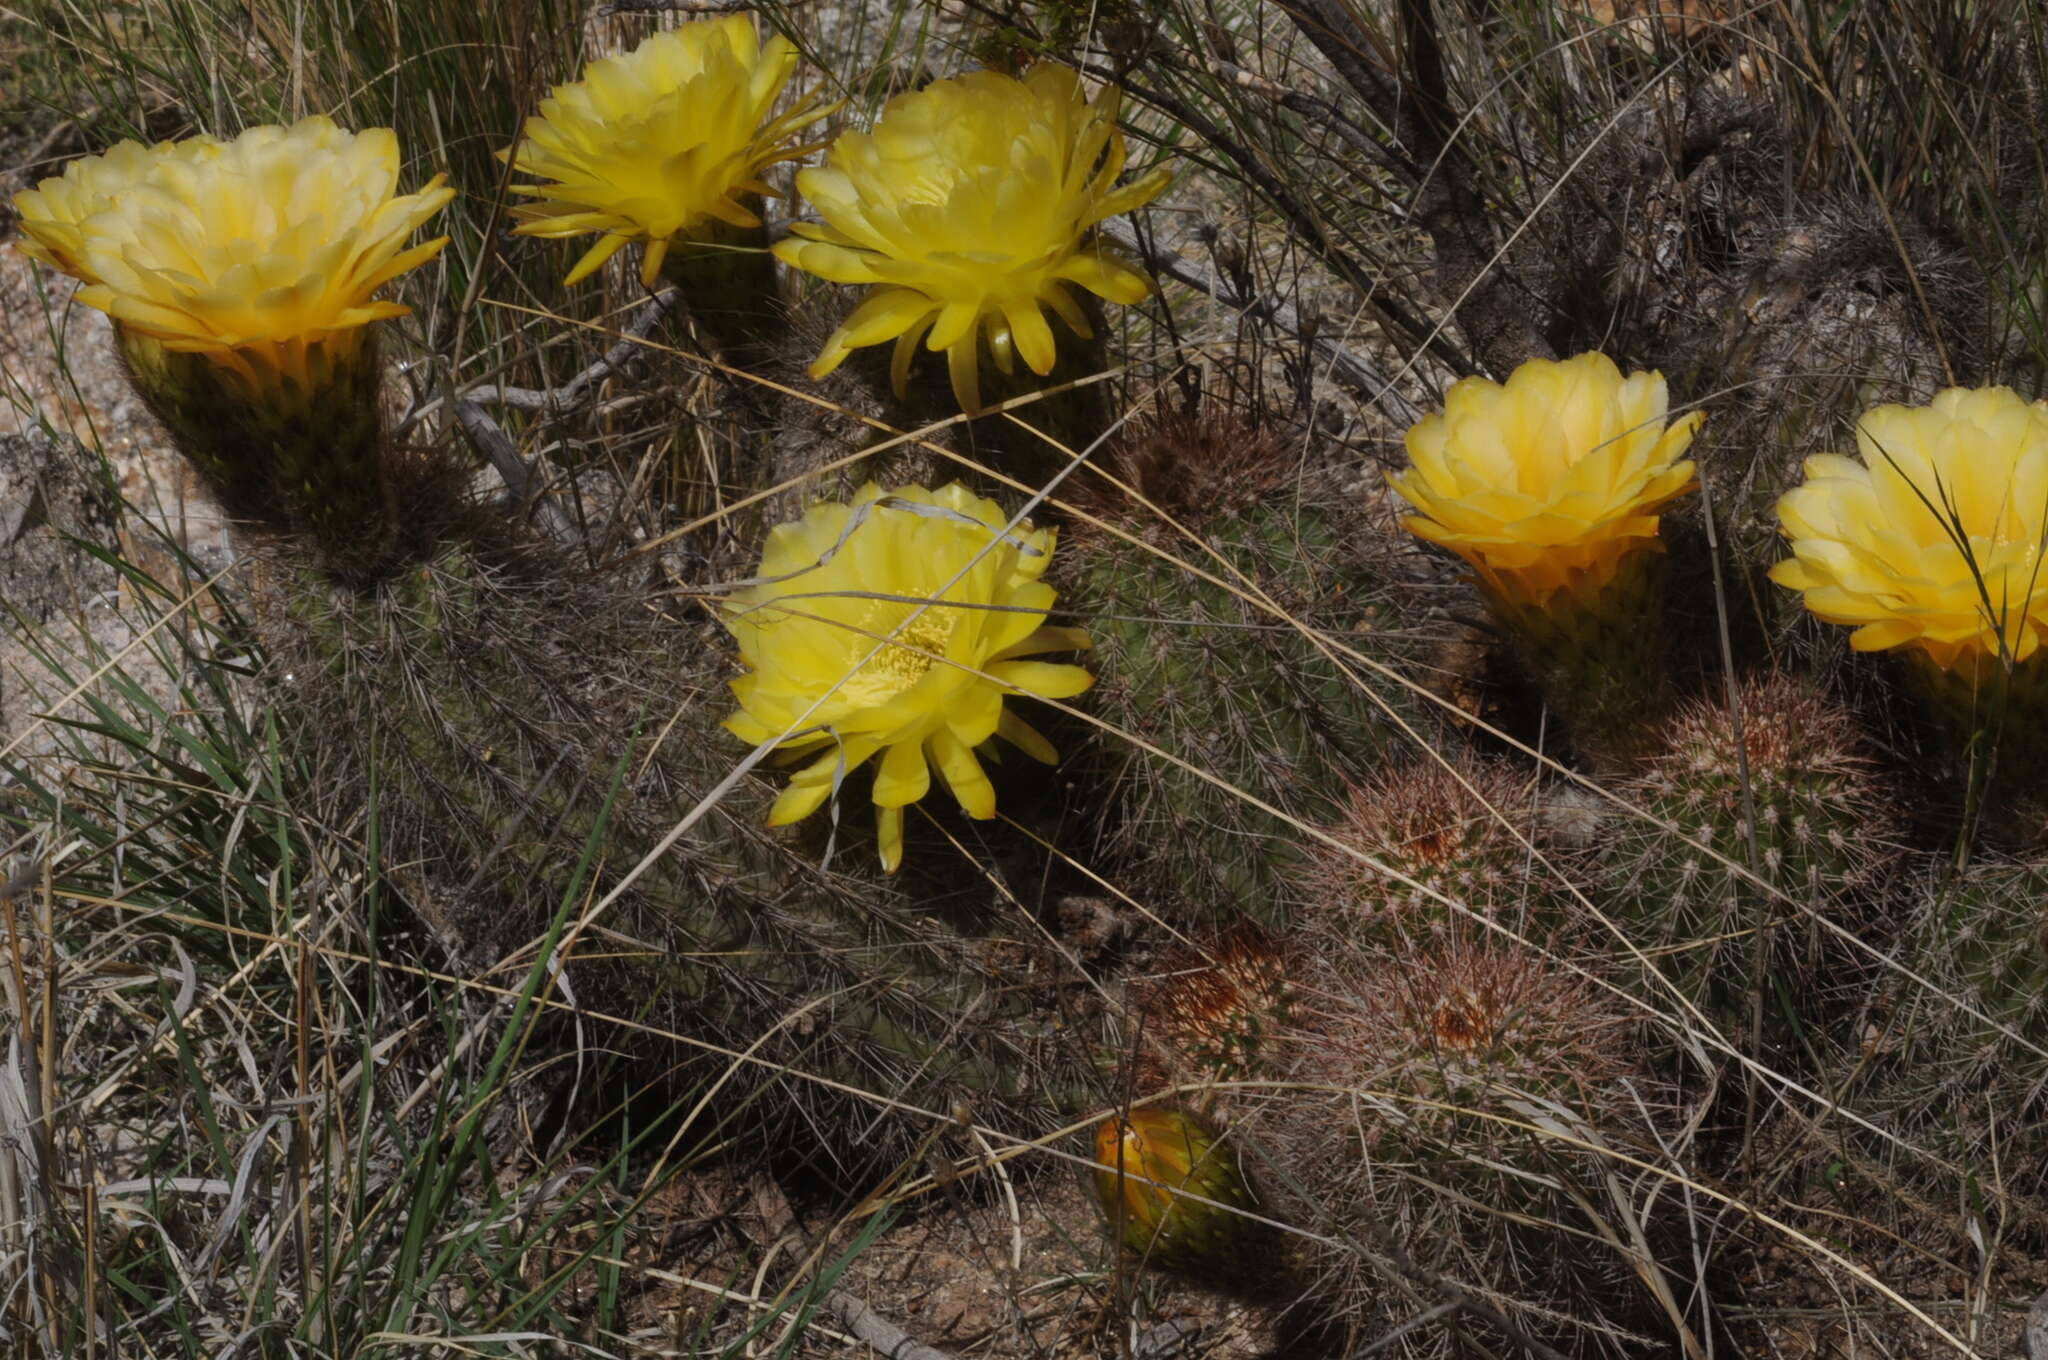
[(1959, 1066), (1780, 786), (1201, 672), (1463, 829), (1214, 1012), (1454, 1103)]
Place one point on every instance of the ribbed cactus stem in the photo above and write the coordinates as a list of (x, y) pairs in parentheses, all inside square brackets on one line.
[(1959, 1065), (1447, 1095), (1778, 814), (1995, 712), (487, 695), (1423, 831), (1216, 1011), (1197, 670), (727, 279), (1597, 656), (297, 451)]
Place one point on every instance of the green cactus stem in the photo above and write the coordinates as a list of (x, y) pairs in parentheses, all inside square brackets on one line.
[(1463, 829), (1598, 659), (1197, 663), (298, 452), (1781, 786), (487, 694)]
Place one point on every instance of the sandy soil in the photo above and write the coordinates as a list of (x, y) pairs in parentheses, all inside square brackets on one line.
[(80, 459)]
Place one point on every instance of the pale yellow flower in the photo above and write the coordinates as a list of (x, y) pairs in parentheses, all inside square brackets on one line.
[(895, 626), (662, 141), (1549, 481), (971, 208), (1933, 539), (248, 252), (53, 213)]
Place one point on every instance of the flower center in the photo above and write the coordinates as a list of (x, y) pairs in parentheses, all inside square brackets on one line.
[(903, 661)]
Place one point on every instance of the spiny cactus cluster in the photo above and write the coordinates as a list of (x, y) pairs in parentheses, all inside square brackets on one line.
[(1216, 1011), (1424, 830), (1757, 826), (471, 716), (1212, 685), (1427, 1091), (1458, 1107), (1961, 1066)]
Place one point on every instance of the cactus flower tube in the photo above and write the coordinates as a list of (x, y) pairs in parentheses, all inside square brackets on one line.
[(969, 212), (1931, 541), (1550, 486), (242, 278), (667, 145), (1154, 1168), (895, 628)]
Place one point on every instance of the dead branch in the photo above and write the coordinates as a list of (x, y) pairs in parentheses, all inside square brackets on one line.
[(880, 1333), (1497, 315)]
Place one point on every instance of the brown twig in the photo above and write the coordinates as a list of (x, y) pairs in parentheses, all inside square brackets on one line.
[(566, 397), (1497, 315), (1315, 231), (488, 438)]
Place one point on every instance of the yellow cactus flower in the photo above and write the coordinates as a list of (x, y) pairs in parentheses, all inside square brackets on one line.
[(970, 209), (1154, 1167), (54, 213), (895, 626), (247, 252), (1547, 482), (662, 141), (242, 280), (1933, 540)]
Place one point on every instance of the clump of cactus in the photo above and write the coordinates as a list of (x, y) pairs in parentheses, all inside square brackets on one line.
[(541, 759), (519, 740), (1456, 1111), (1776, 789), (1461, 828), (490, 714), (1199, 582)]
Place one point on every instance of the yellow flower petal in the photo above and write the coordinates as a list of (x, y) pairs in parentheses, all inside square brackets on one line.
[(662, 141), (1933, 537), (1548, 481), (888, 624), (964, 776), (904, 776), (1042, 678), (1048, 639), (1027, 739), (249, 251), (889, 838), (978, 195)]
